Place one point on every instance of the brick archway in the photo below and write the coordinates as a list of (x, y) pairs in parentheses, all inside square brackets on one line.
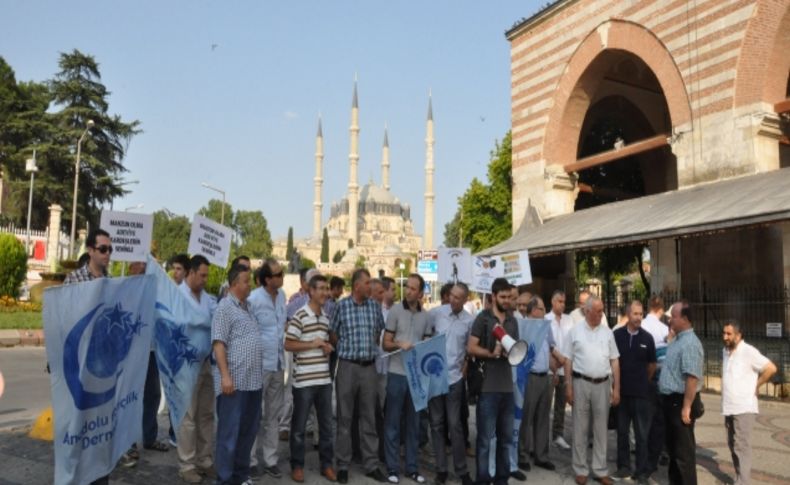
[(764, 62), (583, 75)]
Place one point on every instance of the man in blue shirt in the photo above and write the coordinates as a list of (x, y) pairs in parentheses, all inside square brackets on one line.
[(679, 385), (637, 367), (355, 328)]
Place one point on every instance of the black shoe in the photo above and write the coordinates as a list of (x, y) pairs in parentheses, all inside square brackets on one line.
[(622, 473), (524, 465), (546, 464), (441, 477), (517, 475), (376, 474), (466, 479), (342, 476), (273, 471)]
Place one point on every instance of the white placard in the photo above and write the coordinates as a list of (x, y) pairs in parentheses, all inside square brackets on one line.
[(455, 264), (512, 266), (130, 233), (773, 329), (210, 239)]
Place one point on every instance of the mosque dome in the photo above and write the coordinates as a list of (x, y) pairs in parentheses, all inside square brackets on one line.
[(373, 193)]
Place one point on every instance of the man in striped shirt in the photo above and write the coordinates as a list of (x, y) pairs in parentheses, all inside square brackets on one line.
[(307, 336)]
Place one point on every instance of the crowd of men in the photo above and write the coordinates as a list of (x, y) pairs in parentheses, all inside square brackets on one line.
[(345, 377)]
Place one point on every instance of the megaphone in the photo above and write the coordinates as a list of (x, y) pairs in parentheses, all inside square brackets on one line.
[(516, 350)]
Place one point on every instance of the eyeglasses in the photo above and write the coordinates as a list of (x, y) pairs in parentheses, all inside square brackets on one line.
[(277, 275), (104, 249)]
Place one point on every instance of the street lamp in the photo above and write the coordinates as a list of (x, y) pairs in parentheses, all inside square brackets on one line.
[(130, 182), (134, 207), (89, 124), (30, 166), (222, 214)]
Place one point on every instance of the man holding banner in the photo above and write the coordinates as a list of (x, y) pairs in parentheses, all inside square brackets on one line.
[(454, 323), (495, 404), (407, 324)]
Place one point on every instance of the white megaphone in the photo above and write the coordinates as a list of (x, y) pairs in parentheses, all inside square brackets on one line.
[(516, 350)]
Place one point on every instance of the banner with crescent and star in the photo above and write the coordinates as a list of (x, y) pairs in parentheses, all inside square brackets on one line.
[(426, 370), (98, 337)]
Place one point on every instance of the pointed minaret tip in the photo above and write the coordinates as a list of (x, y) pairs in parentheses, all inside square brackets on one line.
[(354, 102), (386, 138), (320, 133), (430, 106)]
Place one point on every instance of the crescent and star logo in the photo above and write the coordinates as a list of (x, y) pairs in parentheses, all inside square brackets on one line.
[(432, 364), (173, 344)]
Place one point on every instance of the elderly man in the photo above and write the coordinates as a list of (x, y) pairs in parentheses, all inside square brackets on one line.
[(637, 366), (561, 325), (196, 433), (594, 369), (454, 323), (407, 324), (238, 378), (679, 385), (495, 404), (578, 313), (744, 370), (355, 329), (267, 304)]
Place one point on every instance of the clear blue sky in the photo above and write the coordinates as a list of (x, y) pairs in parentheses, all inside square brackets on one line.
[(242, 116)]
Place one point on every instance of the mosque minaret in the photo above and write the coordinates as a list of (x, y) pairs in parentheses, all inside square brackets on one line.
[(385, 161), (318, 181), (353, 161), (429, 196)]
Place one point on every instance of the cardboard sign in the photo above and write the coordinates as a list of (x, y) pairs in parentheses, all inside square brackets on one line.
[(512, 266), (130, 233), (455, 264), (210, 239)]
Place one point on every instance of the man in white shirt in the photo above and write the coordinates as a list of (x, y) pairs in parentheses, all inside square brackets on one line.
[(195, 444), (744, 370), (660, 333), (595, 385), (578, 314), (561, 325)]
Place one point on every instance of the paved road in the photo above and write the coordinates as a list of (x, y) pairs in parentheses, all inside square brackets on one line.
[(27, 385), (27, 461)]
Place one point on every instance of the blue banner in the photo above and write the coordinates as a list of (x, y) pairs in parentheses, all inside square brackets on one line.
[(426, 370), (98, 337), (182, 340)]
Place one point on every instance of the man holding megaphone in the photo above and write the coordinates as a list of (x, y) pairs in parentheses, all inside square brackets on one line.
[(495, 405)]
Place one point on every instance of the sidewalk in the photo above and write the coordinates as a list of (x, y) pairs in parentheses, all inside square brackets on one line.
[(27, 461)]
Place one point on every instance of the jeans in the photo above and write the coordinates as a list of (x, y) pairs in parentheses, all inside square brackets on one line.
[(681, 444), (445, 412), (152, 394), (494, 419), (639, 411), (238, 419), (399, 404), (303, 399)]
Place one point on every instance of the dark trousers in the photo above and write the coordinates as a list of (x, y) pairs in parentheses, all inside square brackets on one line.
[(445, 412), (465, 412), (636, 410), (238, 420), (304, 399), (152, 394), (494, 419), (681, 444), (656, 437)]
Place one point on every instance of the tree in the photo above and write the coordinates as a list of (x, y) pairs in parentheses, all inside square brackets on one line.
[(452, 232), (350, 243), (307, 263), (484, 215), (289, 247), (13, 265), (170, 234), (325, 247), (214, 211), (253, 230), (338, 256), (78, 92)]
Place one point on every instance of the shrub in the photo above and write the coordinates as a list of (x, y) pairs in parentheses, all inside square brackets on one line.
[(13, 265)]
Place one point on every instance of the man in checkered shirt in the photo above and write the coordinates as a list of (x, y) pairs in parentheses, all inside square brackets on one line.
[(238, 378)]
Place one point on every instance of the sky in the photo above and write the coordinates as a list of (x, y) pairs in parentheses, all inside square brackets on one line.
[(229, 93)]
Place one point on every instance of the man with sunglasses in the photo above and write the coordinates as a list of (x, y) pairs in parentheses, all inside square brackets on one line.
[(99, 249)]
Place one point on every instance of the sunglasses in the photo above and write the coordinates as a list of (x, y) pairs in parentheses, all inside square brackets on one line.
[(104, 249)]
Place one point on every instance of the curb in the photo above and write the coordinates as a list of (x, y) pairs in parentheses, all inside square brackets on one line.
[(16, 337)]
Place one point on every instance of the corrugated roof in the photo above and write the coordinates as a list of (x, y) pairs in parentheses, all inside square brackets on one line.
[(726, 204)]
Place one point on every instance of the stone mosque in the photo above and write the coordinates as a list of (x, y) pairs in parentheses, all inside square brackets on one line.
[(372, 220)]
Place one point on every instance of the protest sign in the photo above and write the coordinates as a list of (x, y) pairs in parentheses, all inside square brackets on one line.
[(130, 234), (512, 266), (210, 239), (455, 264)]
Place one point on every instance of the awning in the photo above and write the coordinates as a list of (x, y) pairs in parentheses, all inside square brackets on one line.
[(727, 204)]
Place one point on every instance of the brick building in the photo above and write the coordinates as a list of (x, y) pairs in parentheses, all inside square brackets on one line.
[(655, 122)]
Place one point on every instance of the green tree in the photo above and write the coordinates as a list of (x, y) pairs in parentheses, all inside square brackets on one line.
[(338, 256), (350, 243), (170, 234), (79, 94), (325, 247), (213, 211), (289, 245), (486, 207), (452, 231), (307, 263), (253, 230), (13, 265)]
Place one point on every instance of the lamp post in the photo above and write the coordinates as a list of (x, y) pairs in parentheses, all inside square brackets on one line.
[(222, 214), (130, 182), (402, 267), (30, 166), (76, 185), (134, 207)]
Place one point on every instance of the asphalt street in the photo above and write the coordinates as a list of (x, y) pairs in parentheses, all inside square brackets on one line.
[(27, 385)]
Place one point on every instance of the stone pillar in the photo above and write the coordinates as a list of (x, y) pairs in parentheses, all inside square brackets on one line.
[(53, 242), (559, 191), (82, 236), (663, 266)]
